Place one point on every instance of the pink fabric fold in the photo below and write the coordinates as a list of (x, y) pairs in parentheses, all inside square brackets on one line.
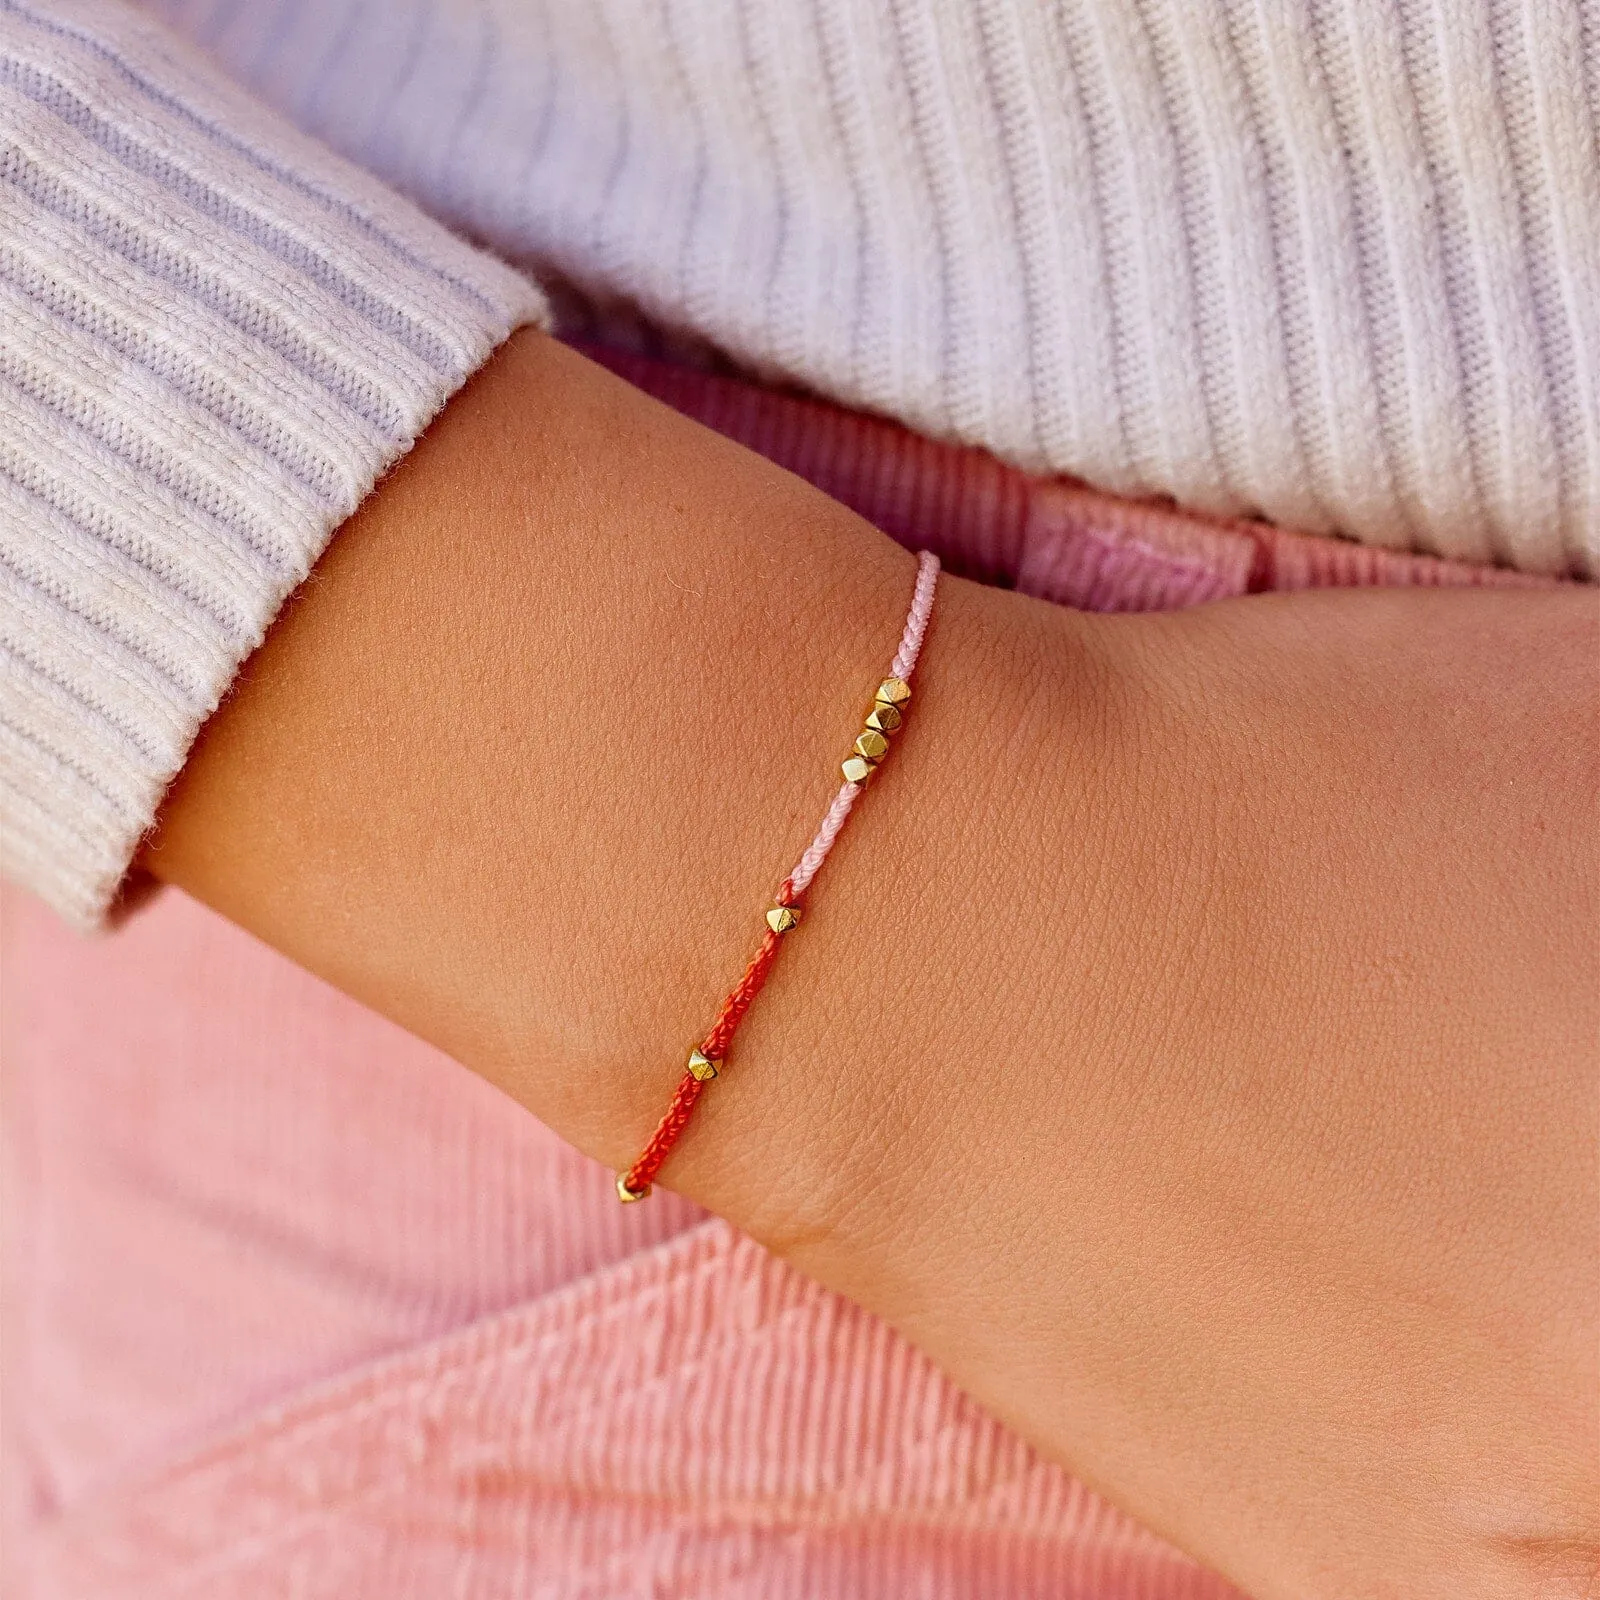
[(638, 1433), (1054, 538), (295, 1305)]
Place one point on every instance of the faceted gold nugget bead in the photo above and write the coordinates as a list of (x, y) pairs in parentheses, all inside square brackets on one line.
[(857, 769), (782, 918), (893, 692), (884, 719), (872, 745), (701, 1066), (626, 1195)]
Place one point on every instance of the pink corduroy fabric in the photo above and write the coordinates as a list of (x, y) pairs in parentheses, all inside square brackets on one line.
[(296, 1306)]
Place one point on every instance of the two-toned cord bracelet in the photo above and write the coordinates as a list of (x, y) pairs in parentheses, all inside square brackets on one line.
[(708, 1058)]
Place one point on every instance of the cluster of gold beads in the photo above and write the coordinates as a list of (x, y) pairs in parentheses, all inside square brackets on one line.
[(872, 744)]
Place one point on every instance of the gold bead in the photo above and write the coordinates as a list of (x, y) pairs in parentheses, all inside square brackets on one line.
[(782, 918), (872, 745), (626, 1195), (701, 1066), (857, 769), (884, 718), (893, 692)]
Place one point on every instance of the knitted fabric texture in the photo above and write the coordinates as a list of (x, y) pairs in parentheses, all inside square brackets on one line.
[(216, 337), (1335, 264)]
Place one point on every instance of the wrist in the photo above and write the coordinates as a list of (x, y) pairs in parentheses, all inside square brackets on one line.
[(529, 795)]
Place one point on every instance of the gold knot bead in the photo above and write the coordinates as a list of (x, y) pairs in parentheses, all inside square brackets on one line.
[(893, 692), (884, 719), (701, 1066), (782, 918), (626, 1195)]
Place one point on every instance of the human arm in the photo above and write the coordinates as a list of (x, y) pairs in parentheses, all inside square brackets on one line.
[(1192, 1044)]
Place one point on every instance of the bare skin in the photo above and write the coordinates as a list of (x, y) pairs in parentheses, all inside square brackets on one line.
[(1195, 1041)]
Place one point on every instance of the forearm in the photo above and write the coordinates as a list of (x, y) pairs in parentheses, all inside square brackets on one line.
[(1175, 977), (526, 758)]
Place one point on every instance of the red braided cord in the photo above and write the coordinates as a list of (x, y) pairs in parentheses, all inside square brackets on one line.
[(739, 998), (684, 1098), (715, 1046)]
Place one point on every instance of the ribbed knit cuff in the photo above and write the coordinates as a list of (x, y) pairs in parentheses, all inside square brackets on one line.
[(216, 337)]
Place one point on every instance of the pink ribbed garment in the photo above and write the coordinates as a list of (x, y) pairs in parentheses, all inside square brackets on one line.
[(296, 1306)]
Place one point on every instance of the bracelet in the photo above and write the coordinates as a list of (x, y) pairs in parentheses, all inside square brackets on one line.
[(708, 1058)]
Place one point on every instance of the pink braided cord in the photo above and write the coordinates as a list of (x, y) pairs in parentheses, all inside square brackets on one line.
[(903, 665), (817, 850), (905, 661)]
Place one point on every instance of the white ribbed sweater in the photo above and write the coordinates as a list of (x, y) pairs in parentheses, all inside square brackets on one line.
[(1335, 263)]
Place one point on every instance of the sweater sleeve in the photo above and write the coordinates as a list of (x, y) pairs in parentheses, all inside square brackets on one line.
[(215, 336)]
